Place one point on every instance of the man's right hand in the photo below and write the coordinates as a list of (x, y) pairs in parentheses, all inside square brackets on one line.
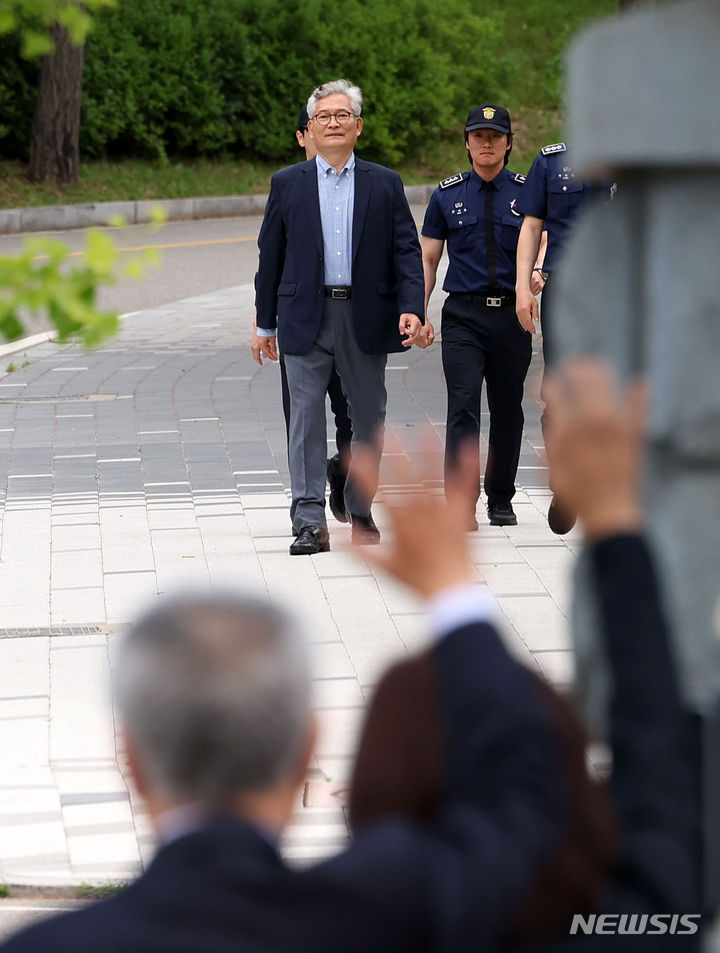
[(594, 442), (263, 346), (429, 548), (526, 308)]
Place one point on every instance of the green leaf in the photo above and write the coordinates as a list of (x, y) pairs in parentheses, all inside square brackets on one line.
[(78, 23), (11, 327), (134, 269), (36, 45), (151, 258), (158, 215), (117, 221), (100, 252), (7, 21)]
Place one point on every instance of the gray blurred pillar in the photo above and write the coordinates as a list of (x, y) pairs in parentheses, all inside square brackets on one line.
[(640, 284)]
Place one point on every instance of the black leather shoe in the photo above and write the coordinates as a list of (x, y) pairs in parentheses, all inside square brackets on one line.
[(364, 531), (311, 539), (560, 519), (336, 478), (501, 514)]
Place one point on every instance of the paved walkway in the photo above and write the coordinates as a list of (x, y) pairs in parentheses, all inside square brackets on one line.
[(159, 461)]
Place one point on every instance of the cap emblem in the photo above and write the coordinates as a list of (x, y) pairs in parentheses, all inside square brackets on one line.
[(489, 112)]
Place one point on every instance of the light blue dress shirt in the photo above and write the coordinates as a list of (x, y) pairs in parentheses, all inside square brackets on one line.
[(337, 199), (336, 192)]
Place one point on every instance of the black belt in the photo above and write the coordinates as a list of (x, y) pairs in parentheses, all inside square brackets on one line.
[(486, 298), (339, 293)]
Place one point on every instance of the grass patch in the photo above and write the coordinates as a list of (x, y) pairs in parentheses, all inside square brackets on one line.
[(100, 891), (4, 892), (135, 179)]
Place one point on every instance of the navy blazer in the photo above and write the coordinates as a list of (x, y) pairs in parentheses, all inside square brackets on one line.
[(399, 887), (654, 785), (387, 272)]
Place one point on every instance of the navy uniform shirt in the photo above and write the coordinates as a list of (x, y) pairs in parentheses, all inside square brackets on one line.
[(456, 214), (554, 194)]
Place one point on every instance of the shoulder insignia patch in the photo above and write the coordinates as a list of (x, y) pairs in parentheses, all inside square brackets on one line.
[(555, 147), (453, 180), (517, 177)]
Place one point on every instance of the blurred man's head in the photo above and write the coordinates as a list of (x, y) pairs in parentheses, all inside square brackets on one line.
[(304, 140), (214, 694)]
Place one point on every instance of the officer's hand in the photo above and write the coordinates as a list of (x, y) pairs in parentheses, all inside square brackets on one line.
[(537, 282), (526, 308), (427, 336), (410, 328), (268, 347)]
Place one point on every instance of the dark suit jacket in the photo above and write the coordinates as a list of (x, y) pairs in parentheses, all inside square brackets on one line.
[(398, 887), (387, 273), (654, 783)]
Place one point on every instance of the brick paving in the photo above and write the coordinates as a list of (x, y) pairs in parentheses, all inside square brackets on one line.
[(158, 462)]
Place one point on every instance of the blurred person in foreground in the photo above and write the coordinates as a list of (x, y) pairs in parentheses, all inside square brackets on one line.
[(627, 843), (337, 465), (214, 695)]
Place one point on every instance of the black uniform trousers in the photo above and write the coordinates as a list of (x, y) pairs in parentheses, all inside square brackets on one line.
[(546, 323), (485, 343)]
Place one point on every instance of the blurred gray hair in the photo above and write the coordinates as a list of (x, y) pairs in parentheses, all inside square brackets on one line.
[(214, 692), (353, 93)]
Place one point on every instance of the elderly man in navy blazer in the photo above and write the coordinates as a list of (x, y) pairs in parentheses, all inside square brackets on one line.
[(339, 280)]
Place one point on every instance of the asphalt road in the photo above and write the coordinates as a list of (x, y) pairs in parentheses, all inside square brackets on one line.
[(197, 257)]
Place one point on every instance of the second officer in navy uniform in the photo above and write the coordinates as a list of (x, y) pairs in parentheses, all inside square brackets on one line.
[(553, 200), (476, 214)]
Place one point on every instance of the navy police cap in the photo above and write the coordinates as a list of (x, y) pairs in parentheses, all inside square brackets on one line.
[(488, 117), (303, 119)]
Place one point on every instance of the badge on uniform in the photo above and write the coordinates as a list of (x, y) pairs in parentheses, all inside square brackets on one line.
[(555, 147), (452, 180), (489, 112), (514, 210)]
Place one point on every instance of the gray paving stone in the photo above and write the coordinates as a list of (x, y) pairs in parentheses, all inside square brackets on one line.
[(206, 500)]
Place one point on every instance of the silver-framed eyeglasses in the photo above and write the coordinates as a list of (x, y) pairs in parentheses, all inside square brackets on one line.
[(343, 117)]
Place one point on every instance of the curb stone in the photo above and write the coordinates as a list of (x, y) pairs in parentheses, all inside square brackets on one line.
[(43, 218)]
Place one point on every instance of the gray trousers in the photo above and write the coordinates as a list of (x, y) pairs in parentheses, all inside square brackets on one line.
[(363, 382)]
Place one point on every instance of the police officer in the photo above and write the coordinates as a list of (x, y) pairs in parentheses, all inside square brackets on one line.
[(552, 199), (477, 214)]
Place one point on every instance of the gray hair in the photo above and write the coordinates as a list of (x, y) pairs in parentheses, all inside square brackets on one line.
[(353, 93), (214, 692)]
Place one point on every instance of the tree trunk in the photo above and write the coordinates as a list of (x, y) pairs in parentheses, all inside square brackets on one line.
[(54, 148)]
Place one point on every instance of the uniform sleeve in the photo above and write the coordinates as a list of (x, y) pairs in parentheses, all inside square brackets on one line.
[(435, 224), (533, 195)]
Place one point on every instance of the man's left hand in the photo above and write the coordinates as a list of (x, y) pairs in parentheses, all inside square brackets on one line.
[(410, 327), (427, 336)]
